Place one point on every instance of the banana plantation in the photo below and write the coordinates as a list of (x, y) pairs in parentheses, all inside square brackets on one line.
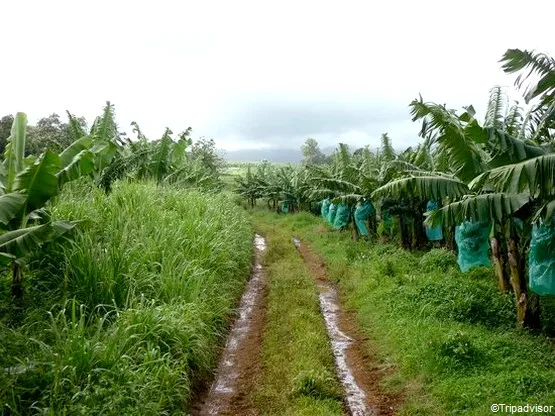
[(137, 280), (484, 186)]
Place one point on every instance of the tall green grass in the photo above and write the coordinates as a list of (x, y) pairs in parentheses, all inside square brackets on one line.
[(126, 317)]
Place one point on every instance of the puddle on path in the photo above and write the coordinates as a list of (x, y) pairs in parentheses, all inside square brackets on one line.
[(225, 385), (340, 343)]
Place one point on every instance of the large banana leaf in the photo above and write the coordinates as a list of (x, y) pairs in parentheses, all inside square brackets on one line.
[(485, 207), (547, 211), (39, 181), (24, 241), (81, 165), (507, 149), (69, 153), (15, 150), (159, 165), (537, 176), (10, 206), (422, 187), (104, 152), (456, 140)]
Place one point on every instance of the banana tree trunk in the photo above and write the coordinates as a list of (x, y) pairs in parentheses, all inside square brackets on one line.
[(17, 281), (499, 265), (527, 306), (403, 230), (354, 232), (450, 238)]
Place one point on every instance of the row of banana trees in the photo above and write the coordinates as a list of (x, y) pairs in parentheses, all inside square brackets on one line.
[(29, 184), (499, 174)]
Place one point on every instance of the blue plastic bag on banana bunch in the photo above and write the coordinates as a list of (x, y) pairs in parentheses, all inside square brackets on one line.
[(362, 211), (325, 207), (331, 213), (472, 239), (541, 260), (433, 233), (341, 216)]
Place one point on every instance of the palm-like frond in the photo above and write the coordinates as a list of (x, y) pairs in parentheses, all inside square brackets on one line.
[(537, 176), (104, 127), (532, 64), (514, 120), (495, 116), (75, 129), (485, 207), (506, 149), (423, 187), (457, 140)]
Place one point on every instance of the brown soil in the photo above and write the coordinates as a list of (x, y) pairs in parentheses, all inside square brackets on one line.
[(361, 356), (245, 370)]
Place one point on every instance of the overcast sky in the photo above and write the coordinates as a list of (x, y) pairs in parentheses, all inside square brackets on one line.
[(254, 74)]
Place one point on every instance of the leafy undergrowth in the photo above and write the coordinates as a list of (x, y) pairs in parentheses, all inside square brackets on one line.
[(450, 335), (126, 318), (298, 370)]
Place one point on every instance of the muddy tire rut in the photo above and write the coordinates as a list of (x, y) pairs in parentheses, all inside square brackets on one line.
[(239, 364), (358, 371)]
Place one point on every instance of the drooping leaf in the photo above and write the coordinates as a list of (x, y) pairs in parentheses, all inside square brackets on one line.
[(536, 175), (24, 241), (537, 64), (81, 165), (484, 207), (69, 153), (10, 206), (422, 187), (506, 149), (39, 182)]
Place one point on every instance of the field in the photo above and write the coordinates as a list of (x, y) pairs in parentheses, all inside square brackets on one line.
[(147, 277)]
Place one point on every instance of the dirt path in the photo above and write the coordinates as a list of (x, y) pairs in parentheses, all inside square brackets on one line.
[(240, 362), (358, 371)]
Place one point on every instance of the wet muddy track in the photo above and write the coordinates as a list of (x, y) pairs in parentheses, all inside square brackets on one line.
[(358, 372), (240, 360)]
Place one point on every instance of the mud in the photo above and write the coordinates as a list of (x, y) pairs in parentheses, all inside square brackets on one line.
[(358, 371), (240, 360)]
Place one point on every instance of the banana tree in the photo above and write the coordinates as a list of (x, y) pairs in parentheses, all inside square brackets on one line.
[(26, 188), (481, 159)]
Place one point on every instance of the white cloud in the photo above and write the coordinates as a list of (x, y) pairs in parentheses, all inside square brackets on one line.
[(187, 63)]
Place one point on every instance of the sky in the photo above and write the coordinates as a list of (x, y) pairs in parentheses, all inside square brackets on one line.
[(261, 74)]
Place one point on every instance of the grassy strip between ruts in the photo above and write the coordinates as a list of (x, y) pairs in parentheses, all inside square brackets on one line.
[(126, 317), (298, 370), (449, 335)]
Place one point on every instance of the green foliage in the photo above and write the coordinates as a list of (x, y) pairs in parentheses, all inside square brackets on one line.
[(312, 153), (448, 335), (140, 301), (438, 260), (315, 384), (457, 352)]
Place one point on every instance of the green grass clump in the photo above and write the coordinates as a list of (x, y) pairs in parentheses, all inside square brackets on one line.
[(438, 259), (134, 306)]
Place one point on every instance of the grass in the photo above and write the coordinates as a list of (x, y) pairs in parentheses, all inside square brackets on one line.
[(127, 317), (450, 336), (298, 369)]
